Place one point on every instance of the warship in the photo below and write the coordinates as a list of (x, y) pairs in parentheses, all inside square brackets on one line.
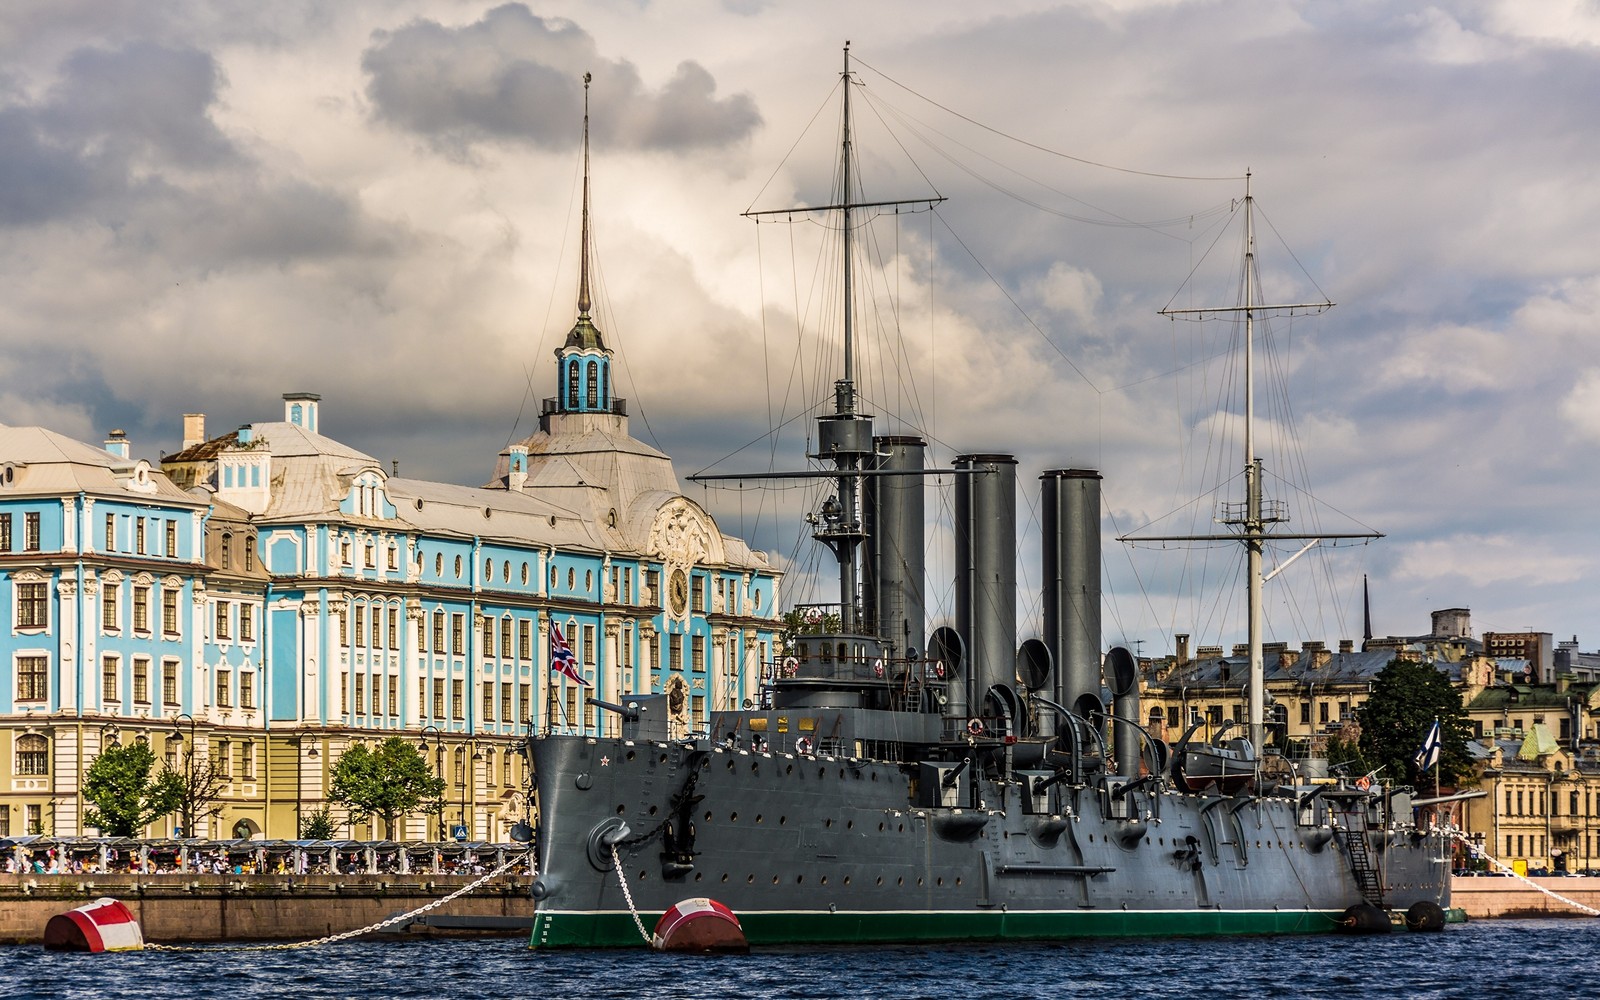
[(896, 785)]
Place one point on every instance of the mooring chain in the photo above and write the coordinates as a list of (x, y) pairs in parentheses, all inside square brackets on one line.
[(673, 805), (622, 880), (346, 935), (1458, 835)]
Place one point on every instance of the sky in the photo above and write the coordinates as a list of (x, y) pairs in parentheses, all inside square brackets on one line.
[(204, 205)]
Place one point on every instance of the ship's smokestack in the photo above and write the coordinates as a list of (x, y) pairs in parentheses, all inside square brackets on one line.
[(893, 517), (1122, 677), (986, 572), (1071, 527)]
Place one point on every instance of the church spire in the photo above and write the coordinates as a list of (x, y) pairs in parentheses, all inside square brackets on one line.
[(583, 366), (583, 274)]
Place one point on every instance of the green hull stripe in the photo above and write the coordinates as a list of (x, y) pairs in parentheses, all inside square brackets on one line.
[(616, 929)]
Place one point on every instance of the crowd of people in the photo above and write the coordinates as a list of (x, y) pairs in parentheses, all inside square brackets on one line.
[(254, 858)]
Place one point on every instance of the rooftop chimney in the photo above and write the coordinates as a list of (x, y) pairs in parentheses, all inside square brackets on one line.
[(1181, 642), (1347, 645), (194, 429), (117, 443)]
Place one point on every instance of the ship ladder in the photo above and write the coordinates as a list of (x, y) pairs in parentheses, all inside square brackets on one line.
[(1366, 876)]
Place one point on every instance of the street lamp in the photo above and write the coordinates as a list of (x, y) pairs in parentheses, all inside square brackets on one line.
[(299, 780), (469, 777), (188, 788), (438, 766)]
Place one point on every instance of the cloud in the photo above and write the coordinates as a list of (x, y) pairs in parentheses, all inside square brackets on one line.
[(516, 77)]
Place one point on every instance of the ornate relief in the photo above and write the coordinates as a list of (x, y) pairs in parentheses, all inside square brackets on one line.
[(682, 533)]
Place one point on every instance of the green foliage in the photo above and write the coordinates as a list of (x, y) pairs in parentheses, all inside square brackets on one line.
[(123, 798), (387, 781), (811, 621), (1346, 755), (1406, 698), (318, 825)]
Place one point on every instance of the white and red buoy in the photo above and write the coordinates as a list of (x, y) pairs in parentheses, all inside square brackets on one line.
[(700, 925), (103, 925)]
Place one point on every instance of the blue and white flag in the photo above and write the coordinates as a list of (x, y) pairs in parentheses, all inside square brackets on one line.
[(1428, 756)]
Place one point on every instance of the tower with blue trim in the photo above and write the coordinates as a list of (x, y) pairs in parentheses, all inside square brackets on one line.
[(583, 362)]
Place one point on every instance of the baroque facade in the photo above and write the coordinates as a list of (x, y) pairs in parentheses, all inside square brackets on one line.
[(269, 597)]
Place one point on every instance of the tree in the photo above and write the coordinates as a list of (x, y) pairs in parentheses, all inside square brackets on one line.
[(123, 798), (1406, 697), (810, 620), (317, 825), (387, 781), (201, 780)]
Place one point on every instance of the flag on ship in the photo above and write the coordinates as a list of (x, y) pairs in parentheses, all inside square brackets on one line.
[(561, 659), (1428, 756)]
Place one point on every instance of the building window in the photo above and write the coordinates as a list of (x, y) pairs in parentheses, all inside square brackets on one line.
[(697, 590), (249, 554), (169, 682), (488, 701), (172, 539), (33, 755), (438, 631), (247, 761), (224, 688), (458, 699), (141, 610), (225, 551), (108, 679), (169, 611), (697, 652), (593, 385), (247, 622), (486, 645), (505, 703), (224, 758), (223, 620), (361, 693), (524, 639), (394, 695), (33, 679), (674, 653), (589, 646), (141, 680), (394, 628), (138, 536), (505, 639), (525, 692), (5, 532), (111, 532), (33, 608), (438, 699), (461, 765), (572, 384), (247, 689), (361, 623), (30, 531), (458, 633), (458, 567)]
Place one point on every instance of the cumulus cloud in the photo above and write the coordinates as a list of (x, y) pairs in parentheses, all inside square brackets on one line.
[(516, 77)]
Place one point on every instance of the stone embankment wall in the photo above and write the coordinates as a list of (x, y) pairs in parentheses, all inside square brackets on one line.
[(1491, 898), (179, 908)]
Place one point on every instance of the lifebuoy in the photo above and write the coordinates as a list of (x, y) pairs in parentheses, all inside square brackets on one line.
[(802, 745), (975, 726), (1363, 783), (877, 666), (939, 670), (791, 666)]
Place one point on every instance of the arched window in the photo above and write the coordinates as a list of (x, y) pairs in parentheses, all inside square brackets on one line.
[(33, 755), (572, 384), (461, 765), (605, 390), (594, 384)]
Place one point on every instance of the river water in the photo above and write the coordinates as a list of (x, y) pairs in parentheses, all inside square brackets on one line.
[(1506, 958)]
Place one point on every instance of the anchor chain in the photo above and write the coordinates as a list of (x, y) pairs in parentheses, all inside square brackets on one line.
[(1473, 848), (622, 880), (346, 935)]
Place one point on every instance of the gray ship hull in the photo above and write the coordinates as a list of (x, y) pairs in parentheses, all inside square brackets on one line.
[(820, 849)]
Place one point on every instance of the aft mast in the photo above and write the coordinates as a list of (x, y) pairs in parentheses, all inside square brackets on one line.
[(1255, 516)]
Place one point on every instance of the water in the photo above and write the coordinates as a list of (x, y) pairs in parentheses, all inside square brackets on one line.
[(1506, 958)]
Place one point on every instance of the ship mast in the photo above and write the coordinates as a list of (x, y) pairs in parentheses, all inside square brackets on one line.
[(844, 436), (1253, 520)]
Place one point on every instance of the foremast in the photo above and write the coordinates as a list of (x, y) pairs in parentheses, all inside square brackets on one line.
[(844, 436)]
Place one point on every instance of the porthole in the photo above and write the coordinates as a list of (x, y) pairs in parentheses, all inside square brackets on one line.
[(799, 880), (847, 880), (419, 503), (754, 767), (880, 879), (588, 581), (758, 817), (919, 879), (732, 765), (663, 758), (782, 820), (749, 879), (849, 824), (733, 817), (708, 815), (874, 775), (630, 755), (823, 879), (774, 880), (552, 578), (524, 574), (572, 578), (458, 567), (724, 876), (641, 876), (698, 876), (881, 827), (828, 821), (822, 772), (938, 881), (438, 564), (958, 881), (621, 810), (900, 881), (788, 769), (652, 810)]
